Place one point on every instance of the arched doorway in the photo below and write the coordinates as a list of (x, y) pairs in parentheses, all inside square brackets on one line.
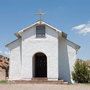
[(39, 65)]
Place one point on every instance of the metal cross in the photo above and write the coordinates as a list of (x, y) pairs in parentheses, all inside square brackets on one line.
[(40, 14)]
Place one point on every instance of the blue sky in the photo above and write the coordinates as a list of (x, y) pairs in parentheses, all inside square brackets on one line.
[(70, 16)]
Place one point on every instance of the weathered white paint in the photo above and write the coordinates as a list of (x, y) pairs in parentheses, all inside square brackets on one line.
[(67, 58), (63, 60), (15, 60), (61, 55), (72, 57), (47, 45)]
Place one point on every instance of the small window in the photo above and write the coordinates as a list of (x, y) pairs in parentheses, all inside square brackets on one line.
[(40, 31)]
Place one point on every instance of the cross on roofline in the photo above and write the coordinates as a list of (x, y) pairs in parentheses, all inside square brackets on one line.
[(40, 14)]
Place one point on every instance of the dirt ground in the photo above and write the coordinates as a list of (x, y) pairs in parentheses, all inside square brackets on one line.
[(43, 87)]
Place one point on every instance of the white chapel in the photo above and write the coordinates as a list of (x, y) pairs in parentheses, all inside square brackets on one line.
[(42, 51)]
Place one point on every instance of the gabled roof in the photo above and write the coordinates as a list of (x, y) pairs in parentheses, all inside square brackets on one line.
[(38, 22), (60, 33)]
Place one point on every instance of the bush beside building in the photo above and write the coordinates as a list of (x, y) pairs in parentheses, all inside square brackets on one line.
[(4, 67), (81, 73)]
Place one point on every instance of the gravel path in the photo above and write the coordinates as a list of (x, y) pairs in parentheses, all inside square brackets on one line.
[(43, 87)]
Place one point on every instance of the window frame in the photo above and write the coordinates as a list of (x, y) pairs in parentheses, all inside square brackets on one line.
[(40, 34)]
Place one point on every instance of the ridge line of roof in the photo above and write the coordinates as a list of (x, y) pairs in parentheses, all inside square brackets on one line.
[(24, 29)]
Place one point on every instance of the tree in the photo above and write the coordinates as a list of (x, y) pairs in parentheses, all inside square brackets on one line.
[(81, 72)]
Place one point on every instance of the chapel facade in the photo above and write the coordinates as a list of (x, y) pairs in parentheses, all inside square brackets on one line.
[(42, 51)]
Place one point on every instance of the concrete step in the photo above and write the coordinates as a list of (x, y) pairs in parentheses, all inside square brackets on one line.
[(38, 81)]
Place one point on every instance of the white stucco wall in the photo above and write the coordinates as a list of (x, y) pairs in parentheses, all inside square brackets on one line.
[(63, 61), (72, 57), (15, 61), (67, 58), (47, 45)]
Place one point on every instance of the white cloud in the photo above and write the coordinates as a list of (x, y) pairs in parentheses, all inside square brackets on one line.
[(83, 29), (0, 51), (5, 53)]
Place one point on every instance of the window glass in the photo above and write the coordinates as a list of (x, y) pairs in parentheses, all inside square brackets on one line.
[(40, 31)]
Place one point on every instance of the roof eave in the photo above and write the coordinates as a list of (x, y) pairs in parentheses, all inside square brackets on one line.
[(10, 43), (17, 35), (76, 45)]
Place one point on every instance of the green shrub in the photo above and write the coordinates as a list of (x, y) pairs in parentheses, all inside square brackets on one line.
[(3, 81), (81, 73)]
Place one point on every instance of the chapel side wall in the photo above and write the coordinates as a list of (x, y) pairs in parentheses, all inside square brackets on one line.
[(63, 63), (15, 61), (47, 45), (72, 57)]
